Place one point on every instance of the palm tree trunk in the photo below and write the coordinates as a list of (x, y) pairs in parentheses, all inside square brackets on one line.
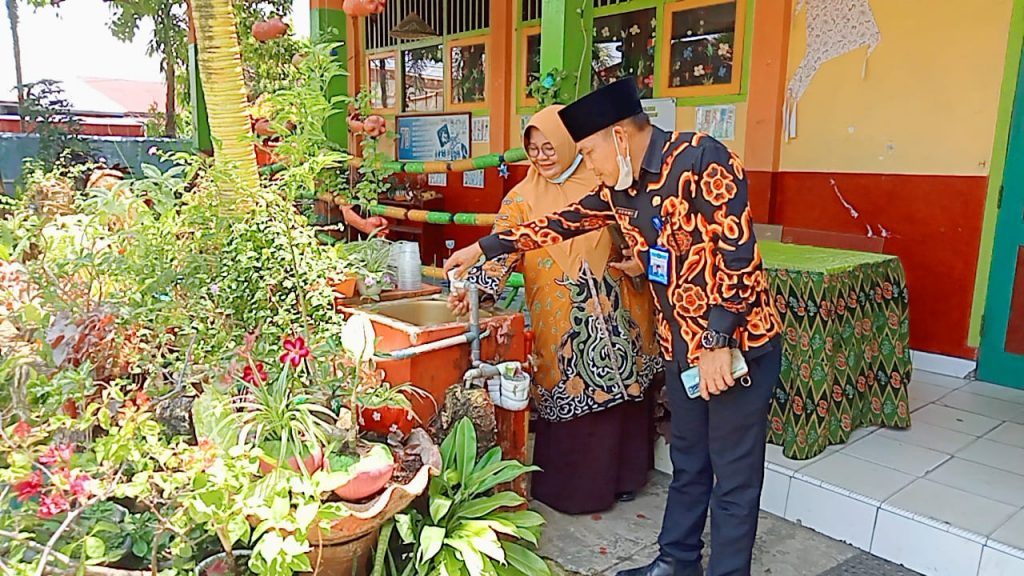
[(220, 66), (171, 105), (170, 65), (12, 17)]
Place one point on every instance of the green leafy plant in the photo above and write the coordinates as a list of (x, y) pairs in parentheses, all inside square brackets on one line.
[(470, 529), (547, 89), (48, 114)]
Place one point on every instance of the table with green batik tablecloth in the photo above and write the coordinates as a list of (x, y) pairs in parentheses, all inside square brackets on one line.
[(846, 357)]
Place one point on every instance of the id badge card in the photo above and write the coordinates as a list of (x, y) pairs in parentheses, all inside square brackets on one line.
[(658, 264)]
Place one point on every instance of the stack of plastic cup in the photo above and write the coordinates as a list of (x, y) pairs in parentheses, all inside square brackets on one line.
[(405, 257)]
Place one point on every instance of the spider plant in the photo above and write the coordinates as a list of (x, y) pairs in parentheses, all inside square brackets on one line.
[(285, 422)]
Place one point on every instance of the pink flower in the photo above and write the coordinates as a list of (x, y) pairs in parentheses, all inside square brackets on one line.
[(22, 429), (29, 487), (295, 351), (52, 504), (83, 486), (57, 454), (257, 376)]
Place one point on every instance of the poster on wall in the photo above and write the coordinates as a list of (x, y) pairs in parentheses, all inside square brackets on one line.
[(473, 179), (524, 119), (482, 129), (433, 137), (719, 122), (437, 179), (662, 112)]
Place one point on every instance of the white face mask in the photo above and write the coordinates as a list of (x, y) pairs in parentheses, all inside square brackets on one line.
[(625, 167)]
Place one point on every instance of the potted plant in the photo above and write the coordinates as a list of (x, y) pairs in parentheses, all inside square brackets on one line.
[(470, 528), (370, 262), (386, 410)]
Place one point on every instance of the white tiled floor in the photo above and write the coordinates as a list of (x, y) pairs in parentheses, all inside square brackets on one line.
[(944, 497)]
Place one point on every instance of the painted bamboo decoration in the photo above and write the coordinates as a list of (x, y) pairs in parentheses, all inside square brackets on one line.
[(220, 67)]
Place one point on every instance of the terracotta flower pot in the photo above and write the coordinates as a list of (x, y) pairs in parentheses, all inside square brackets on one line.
[(384, 420), (346, 287), (366, 483), (312, 461), (221, 565)]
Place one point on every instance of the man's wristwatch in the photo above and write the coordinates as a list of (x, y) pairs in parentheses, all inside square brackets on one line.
[(713, 340)]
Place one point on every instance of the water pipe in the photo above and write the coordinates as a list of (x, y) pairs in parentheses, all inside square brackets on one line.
[(474, 323), (406, 353)]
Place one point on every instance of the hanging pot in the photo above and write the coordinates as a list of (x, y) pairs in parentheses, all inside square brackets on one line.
[(267, 30)]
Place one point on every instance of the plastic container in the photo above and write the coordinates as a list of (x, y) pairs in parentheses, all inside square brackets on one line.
[(405, 257), (511, 390)]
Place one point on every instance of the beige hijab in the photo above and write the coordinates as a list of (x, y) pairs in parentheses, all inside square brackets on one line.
[(544, 197)]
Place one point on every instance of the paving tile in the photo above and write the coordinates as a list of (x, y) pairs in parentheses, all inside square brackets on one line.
[(924, 548), (774, 455), (831, 513), (958, 420), (1008, 433), (996, 455), (775, 492), (785, 549), (998, 563), (865, 564), (859, 434), (922, 393), (984, 405), (982, 480), (995, 391), (956, 507), (930, 436), (583, 544), (949, 382), (896, 454), (858, 476), (1012, 533)]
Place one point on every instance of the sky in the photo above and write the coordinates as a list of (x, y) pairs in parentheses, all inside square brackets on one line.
[(73, 42)]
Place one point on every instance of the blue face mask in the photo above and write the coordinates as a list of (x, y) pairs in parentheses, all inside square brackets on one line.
[(561, 178)]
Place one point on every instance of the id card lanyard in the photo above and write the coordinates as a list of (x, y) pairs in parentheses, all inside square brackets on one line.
[(659, 259)]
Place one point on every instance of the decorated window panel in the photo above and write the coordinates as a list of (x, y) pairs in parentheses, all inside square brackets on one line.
[(529, 62), (704, 52), (423, 79), (623, 47), (382, 79), (467, 75)]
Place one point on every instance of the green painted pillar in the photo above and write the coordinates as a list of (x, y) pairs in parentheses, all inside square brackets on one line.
[(328, 23), (565, 33)]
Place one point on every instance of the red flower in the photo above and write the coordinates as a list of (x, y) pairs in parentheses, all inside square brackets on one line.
[(82, 486), (845, 422), (29, 487), (295, 351), (52, 504), (22, 429), (798, 405), (142, 399), (257, 376), (57, 454)]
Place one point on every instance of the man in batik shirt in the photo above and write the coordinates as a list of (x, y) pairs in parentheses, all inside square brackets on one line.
[(681, 201)]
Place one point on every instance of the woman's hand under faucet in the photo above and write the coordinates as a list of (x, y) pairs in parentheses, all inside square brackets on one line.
[(458, 302)]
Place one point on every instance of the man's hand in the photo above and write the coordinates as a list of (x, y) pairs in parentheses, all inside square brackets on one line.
[(630, 265), (463, 260), (458, 302), (715, 372)]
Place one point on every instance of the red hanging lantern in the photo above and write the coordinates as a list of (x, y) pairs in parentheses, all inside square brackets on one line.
[(363, 8)]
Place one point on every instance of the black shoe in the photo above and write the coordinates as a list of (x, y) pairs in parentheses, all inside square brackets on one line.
[(625, 496), (665, 566)]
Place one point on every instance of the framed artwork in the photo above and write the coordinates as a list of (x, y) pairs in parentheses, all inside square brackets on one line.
[(703, 54), (623, 46), (467, 73), (425, 137)]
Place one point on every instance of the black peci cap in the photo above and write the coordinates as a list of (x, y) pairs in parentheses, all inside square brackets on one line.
[(602, 109)]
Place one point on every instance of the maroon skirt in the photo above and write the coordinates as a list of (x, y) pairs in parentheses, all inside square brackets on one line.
[(587, 461)]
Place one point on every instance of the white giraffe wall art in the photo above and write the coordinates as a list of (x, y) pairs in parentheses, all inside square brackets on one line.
[(834, 28)]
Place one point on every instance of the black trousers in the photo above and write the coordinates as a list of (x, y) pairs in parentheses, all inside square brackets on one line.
[(717, 450)]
